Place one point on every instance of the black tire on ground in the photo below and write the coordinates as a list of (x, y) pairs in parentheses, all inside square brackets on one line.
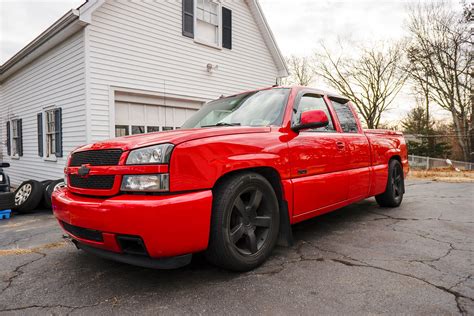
[(48, 192), (43, 203), (28, 196), (393, 195), (7, 201), (245, 222)]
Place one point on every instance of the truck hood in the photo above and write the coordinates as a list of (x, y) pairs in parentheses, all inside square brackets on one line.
[(174, 137)]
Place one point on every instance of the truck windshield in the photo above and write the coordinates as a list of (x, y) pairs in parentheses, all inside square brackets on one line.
[(258, 108)]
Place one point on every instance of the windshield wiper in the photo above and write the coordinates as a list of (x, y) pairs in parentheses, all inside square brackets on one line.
[(222, 124)]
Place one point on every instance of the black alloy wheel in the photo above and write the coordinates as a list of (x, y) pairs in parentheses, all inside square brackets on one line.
[(245, 222), (395, 189), (250, 221)]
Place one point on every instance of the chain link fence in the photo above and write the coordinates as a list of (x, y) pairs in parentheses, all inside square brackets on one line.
[(427, 163)]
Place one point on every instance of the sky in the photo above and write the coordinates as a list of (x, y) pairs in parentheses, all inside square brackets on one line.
[(299, 26)]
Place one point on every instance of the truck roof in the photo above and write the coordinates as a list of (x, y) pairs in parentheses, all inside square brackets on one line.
[(332, 95)]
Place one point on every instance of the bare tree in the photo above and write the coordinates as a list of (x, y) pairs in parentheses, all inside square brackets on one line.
[(371, 79), (301, 72), (440, 57)]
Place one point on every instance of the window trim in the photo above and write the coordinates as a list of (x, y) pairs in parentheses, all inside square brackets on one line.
[(219, 26), (15, 139), (47, 155), (56, 134), (16, 142)]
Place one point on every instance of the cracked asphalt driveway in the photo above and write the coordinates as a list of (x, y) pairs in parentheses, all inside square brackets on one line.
[(416, 259)]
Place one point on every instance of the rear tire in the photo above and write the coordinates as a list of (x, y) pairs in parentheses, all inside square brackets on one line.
[(393, 195), (244, 224), (28, 196)]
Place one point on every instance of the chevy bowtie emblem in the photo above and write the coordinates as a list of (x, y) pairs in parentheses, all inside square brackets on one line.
[(83, 171)]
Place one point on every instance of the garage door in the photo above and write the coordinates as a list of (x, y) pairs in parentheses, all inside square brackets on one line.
[(136, 118)]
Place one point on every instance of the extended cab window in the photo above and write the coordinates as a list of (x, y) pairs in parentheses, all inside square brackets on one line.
[(346, 117), (313, 102)]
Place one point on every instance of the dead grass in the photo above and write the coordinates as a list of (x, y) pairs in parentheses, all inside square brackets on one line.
[(25, 251), (443, 175)]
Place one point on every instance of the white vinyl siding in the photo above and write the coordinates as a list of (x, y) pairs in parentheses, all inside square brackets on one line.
[(139, 45), (56, 78)]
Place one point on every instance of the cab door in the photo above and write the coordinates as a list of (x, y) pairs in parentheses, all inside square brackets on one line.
[(318, 160), (357, 150)]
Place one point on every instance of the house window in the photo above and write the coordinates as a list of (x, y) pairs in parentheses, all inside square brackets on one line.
[(50, 133), (121, 130), (152, 129), (52, 130), (16, 149), (138, 130), (207, 22)]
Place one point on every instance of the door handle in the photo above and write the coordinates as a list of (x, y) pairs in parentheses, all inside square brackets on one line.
[(340, 145)]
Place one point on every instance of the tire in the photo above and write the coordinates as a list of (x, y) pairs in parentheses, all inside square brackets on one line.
[(28, 196), (244, 223), (7, 201), (393, 195), (48, 192), (44, 203)]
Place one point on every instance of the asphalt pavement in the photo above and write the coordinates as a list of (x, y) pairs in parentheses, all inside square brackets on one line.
[(362, 259)]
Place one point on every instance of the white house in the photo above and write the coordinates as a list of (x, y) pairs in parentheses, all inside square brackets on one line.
[(112, 68)]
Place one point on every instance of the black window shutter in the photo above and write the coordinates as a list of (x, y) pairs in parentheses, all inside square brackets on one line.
[(40, 134), (59, 132), (20, 138), (9, 142), (226, 28), (188, 18)]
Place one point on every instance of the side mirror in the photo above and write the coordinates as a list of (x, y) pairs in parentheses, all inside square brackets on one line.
[(4, 165), (312, 119)]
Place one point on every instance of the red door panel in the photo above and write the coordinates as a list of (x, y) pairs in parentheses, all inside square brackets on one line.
[(318, 161), (359, 162)]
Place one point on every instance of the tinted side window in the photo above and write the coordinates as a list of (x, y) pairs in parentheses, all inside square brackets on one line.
[(346, 117), (314, 102)]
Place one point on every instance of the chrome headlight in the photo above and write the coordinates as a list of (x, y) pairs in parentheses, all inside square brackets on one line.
[(159, 154), (146, 183)]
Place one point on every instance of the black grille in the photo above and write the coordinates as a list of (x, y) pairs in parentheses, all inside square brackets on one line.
[(108, 157), (83, 233), (105, 182)]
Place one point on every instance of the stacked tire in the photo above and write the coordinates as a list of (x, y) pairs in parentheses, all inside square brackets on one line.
[(48, 191), (32, 195)]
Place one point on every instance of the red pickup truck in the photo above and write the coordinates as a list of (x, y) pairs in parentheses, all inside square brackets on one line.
[(230, 182)]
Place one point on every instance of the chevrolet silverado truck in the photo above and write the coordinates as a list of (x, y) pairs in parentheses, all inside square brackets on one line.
[(230, 182)]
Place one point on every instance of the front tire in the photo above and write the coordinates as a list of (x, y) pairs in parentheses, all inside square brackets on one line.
[(393, 195), (244, 224)]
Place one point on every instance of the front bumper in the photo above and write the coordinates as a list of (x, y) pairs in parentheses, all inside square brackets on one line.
[(168, 225)]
